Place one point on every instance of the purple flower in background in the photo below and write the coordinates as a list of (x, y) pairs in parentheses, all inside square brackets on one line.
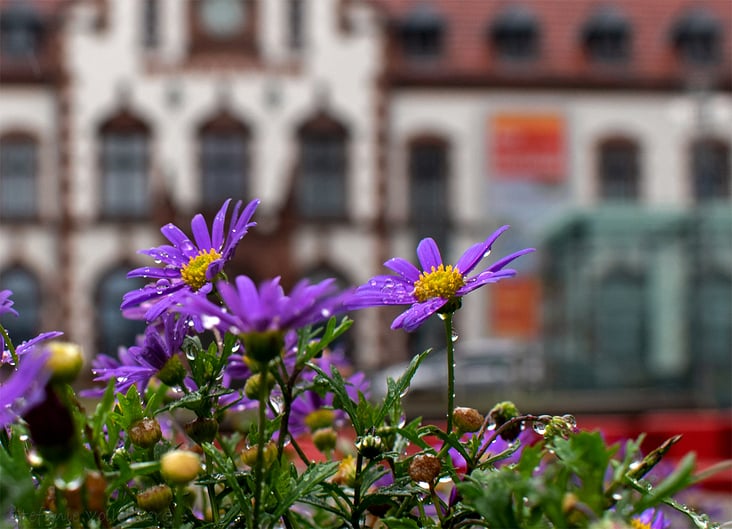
[(6, 304), (650, 519), (189, 266), (429, 290), (28, 345), (156, 357), (24, 388)]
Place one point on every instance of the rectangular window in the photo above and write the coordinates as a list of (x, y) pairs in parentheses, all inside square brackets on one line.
[(295, 16), (322, 182), (428, 191), (124, 175), (224, 164), (711, 170), (17, 179), (619, 173), (150, 24)]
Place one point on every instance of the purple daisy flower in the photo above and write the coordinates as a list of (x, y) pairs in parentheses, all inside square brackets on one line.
[(27, 346), (189, 266), (650, 519), (24, 388), (157, 356), (6, 304), (429, 290), (265, 310)]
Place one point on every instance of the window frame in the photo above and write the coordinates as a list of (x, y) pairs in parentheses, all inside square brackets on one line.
[(722, 188), (33, 202), (632, 181)]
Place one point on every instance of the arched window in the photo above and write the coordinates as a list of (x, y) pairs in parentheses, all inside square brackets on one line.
[(224, 160), (606, 36), (21, 30), (618, 169), (697, 37), (18, 176), (125, 167), (710, 169), (113, 329), (515, 34), (428, 167), (421, 33), (619, 329), (320, 189), (27, 303)]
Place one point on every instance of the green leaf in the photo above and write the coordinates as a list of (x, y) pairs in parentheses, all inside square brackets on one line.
[(400, 523), (130, 407), (308, 480), (397, 388), (679, 479)]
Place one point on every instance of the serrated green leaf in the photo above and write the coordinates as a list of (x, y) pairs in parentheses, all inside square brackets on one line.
[(400, 523), (308, 480)]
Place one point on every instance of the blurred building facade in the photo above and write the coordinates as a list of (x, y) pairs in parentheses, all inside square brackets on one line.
[(600, 130)]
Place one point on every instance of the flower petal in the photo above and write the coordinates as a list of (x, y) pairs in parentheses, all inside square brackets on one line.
[(484, 278), (475, 253), (404, 268), (510, 257), (179, 239), (200, 232), (428, 254), (417, 314), (217, 227)]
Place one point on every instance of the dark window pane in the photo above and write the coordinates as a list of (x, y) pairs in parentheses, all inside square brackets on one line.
[(619, 171), (606, 36), (20, 30), (295, 18), (114, 329), (515, 35), (697, 37), (224, 166), (322, 181), (421, 33), (27, 303), (428, 190), (150, 23), (18, 178), (125, 174), (710, 170)]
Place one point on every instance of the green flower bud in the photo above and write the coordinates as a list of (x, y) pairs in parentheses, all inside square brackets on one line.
[(501, 414), (52, 428), (320, 418), (253, 385), (155, 499), (65, 361), (269, 454), (467, 420), (325, 439), (424, 468), (180, 466), (145, 432), (263, 346), (202, 430), (173, 372), (370, 446)]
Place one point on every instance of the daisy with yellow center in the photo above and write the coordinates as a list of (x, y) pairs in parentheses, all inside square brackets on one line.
[(194, 273), (437, 287)]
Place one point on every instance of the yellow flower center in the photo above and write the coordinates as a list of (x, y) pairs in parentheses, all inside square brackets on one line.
[(441, 282), (635, 523), (194, 273)]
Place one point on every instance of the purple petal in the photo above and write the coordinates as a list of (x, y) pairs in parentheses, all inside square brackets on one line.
[(404, 268), (200, 232), (179, 239), (510, 257), (484, 278), (158, 273), (473, 255), (217, 227), (428, 254), (417, 314)]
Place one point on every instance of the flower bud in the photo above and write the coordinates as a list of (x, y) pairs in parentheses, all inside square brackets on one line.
[(96, 493), (501, 414), (65, 361), (424, 468), (155, 499), (370, 446), (145, 433), (180, 466), (253, 385), (52, 428), (269, 454), (263, 346), (467, 420), (325, 439), (346, 474), (173, 372), (202, 430), (320, 418)]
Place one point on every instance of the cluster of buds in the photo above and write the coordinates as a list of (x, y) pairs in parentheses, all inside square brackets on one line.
[(370, 446), (320, 422), (555, 426)]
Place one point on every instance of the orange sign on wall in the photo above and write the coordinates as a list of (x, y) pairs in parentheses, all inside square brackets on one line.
[(515, 307), (528, 147)]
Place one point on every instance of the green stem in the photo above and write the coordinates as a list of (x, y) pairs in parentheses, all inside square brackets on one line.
[(447, 318), (356, 509), (179, 506), (258, 468), (9, 344), (211, 489)]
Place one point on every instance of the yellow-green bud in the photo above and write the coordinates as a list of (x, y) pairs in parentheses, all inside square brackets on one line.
[(202, 430), (173, 372), (467, 420), (325, 439), (145, 432), (370, 446), (269, 454), (155, 499), (320, 418), (180, 466), (253, 385), (263, 346), (501, 414), (65, 361), (424, 468)]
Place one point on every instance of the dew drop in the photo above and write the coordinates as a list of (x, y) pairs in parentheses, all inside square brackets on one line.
[(34, 459), (569, 419), (209, 322), (23, 437), (235, 348), (486, 253), (190, 354), (404, 393), (540, 427), (158, 261), (325, 313), (454, 337), (442, 316)]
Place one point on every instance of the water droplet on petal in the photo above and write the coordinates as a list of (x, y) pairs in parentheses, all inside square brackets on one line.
[(569, 419), (325, 313), (209, 322)]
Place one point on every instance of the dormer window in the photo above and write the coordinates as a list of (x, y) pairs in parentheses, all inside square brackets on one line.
[(606, 36), (514, 34), (21, 30), (697, 37), (421, 33), (222, 19)]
